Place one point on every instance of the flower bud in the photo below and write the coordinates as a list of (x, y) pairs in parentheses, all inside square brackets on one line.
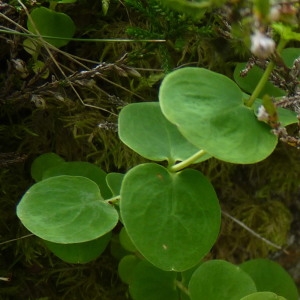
[(262, 46)]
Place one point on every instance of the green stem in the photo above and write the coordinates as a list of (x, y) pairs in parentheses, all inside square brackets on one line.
[(187, 162), (182, 287), (265, 76)]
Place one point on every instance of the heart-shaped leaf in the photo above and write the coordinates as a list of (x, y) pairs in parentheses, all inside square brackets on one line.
[(150, 283), (173, 219), (50, 23), (81, 168), (80, 253), (270, 276), (66, 209), (114, 182), (126, 267), (143, 128), (208, 110), (218, 279), (249, 82), (43, 163)]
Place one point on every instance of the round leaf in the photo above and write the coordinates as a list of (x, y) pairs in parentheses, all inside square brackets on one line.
[(289, 55), (151, 283), (43, 163), (81, 168), (208, 109), (126, 267), (80, 253), (50, 23), (250, 81), (173, 219), (270, 276), (66, 209), (143, 128), (114, 182), (263, 296), (218, 279), (38, 67), (126, 241)]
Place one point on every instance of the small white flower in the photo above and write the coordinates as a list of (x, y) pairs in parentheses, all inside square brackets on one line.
[(262, 114), (262, 46)]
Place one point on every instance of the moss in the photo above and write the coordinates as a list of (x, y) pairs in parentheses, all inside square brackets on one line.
[(82, 126)]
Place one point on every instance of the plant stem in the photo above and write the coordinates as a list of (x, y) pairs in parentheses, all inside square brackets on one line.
[(187, 162), (32, 35), (265, 76), (182, 287)]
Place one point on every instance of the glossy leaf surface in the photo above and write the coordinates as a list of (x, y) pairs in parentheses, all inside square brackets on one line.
[(249, 82), (270, 276), (114, 182), (208, 109), (53, 24), (151, 283), (84, 169), (44, 162), (143, 128), (218, 279), (66, 209), (173, 219), (126, 267)]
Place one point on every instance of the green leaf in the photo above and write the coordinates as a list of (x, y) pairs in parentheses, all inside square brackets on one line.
[(173, 219), (66, 209), (263, 296), (125, 241), (220, 280), (105, 6), (81, 168), (270, 276), (43, 163), (208, 110), (151, 283), (80, 253), (143, 128), (114, 182), (289, 55), (30, 46), (194, 9), (185, 279), (39, 68), (53, 24), (116, 250), (286, 32), (250, 81), (126, 267)]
